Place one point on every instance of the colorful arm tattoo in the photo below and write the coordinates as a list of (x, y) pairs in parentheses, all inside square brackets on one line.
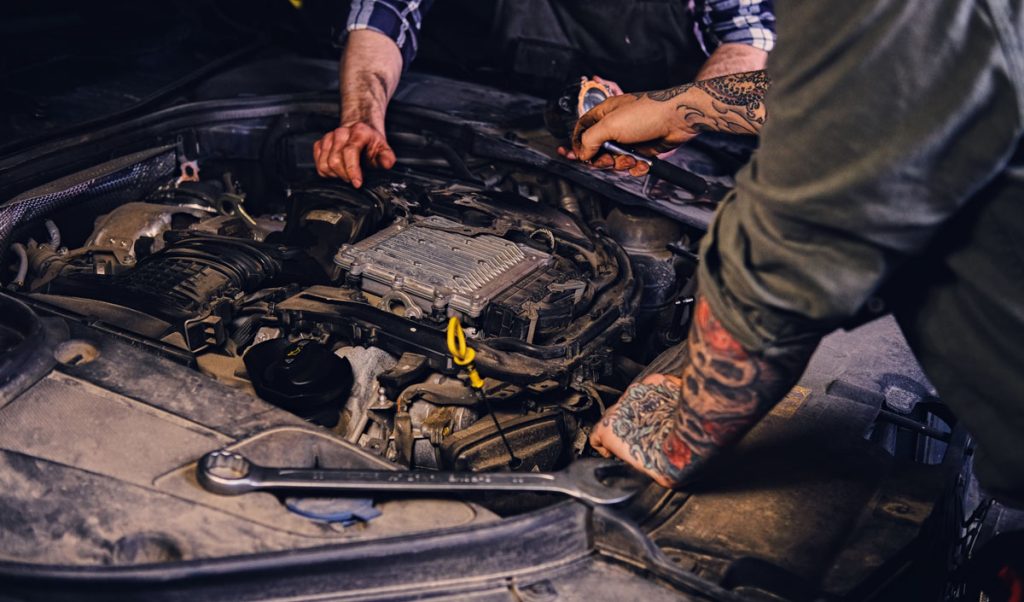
[(672, 424)]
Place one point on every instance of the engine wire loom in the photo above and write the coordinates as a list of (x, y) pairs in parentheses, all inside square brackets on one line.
[(463, 356)]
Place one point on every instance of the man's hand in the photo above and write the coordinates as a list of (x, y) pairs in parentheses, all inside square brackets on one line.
[(650, 126), (339, 152), (614, 89), (607, 161), (659, 121), (669, 425), (370, 70)]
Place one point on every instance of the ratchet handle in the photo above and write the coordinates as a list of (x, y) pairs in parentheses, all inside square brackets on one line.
[(674, 174)]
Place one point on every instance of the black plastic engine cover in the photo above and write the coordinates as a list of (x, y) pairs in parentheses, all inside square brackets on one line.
[(325, 216), (176, 283), (542, 304)]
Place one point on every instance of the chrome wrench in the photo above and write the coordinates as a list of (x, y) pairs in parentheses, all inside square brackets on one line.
[(229, 473)]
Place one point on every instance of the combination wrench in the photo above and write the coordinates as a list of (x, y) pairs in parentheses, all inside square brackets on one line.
[(229, 473)]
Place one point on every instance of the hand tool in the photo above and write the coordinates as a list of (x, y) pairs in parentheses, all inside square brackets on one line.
[(578, 99), (660, 168), (229, 473)]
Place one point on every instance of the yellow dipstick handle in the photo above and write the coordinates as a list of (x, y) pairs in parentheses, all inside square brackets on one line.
[(463, 354)]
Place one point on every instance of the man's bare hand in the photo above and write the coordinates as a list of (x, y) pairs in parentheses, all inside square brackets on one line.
[(339, 152), (614, 89), (648, 407)]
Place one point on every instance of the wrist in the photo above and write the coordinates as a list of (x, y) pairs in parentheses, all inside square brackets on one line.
[(370, 70), (691, 111), (371, 116), (364, 99)]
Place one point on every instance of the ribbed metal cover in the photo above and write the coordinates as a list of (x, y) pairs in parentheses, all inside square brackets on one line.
[(438, 260)]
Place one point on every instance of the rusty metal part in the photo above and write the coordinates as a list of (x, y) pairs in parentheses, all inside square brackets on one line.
[(117, 232), (592, 93), (189, 173), (643, 232)]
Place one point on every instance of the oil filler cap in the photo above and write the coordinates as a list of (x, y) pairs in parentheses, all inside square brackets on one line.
[(302, 377)]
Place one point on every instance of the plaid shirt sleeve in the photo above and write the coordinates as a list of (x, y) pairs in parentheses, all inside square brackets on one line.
[(750, 22), (399, 20)]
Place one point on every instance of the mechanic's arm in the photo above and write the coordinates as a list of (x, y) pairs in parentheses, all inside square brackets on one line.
[(698, 402), (658, 121), (732, 58), (850, 180), (742, 34), (370, 70), (381, 42)]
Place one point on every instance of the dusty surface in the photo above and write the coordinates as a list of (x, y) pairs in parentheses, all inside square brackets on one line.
[(97, 468)]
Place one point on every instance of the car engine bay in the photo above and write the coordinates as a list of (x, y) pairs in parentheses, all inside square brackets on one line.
[(335, 307), (188, 283)]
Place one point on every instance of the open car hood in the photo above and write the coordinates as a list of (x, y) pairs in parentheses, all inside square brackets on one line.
[(122, 371)]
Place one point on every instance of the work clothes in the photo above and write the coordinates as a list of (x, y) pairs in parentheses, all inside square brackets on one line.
[(890, 174), (536, 45)]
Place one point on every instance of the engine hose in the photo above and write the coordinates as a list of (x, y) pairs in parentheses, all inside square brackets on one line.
[(447, 152), (19, 280), (568, 200), (54, 232)]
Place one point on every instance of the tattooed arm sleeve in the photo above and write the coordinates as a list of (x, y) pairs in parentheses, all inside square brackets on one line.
[(731, 103), (669, 425), (659, 121)]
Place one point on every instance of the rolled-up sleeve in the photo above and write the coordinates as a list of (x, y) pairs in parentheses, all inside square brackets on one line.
[(400, 20), (885, 117), (750, 22)]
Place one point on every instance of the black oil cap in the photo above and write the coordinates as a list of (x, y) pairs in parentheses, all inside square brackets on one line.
[(302, 377)]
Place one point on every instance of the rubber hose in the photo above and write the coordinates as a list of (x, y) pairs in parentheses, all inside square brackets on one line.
[(54, 234), (19, 250)]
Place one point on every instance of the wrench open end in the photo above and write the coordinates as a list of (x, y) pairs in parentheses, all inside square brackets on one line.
[(603, 481)]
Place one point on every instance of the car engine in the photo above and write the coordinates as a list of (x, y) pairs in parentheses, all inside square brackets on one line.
[(335, 308), (184, 282)]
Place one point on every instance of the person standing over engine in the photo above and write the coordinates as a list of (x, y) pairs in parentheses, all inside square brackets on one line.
[(890, 173), (640, 44)]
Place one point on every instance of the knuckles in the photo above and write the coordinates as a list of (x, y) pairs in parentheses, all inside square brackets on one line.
[(338, 152)]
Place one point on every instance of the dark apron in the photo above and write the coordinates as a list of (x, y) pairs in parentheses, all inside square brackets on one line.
[(537, 45)]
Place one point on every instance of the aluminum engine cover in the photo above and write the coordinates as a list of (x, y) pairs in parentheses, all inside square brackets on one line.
[(434, 262)]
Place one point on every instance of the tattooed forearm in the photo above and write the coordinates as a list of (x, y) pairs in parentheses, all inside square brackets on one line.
[(731, 103), (664, 95), (671, 424), (745, 90)]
